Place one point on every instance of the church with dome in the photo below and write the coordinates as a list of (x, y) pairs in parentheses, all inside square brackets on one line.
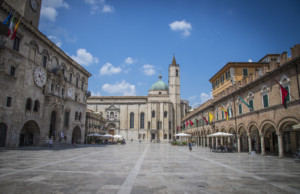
[(151, 118)]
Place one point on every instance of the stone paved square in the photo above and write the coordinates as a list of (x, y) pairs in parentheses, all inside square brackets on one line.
[(143, 168)]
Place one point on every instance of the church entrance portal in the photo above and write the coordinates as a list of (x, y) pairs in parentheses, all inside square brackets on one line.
[(3, 131)]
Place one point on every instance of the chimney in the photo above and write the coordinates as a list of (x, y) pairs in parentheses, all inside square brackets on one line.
[(283, 58), (295, 51)]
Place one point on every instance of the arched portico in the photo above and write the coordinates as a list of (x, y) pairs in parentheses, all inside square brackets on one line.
[(269, 134), (30, 134), (243, 145), (255, 140), (3, 134)]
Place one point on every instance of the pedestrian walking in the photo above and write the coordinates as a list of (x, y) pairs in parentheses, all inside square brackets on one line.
[(190, 146), (50, 143)]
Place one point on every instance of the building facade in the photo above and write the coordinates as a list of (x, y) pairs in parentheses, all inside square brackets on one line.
[(151, 118), (256, 115), (95, 123), (42, 90)]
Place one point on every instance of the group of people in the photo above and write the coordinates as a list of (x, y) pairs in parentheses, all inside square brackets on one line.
[(220, 148)]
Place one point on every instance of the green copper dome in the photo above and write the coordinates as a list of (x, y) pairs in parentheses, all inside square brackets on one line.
[(159, 85)]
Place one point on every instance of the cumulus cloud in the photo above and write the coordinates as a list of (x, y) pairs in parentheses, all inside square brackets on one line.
[(84, 58), (56, 41), (95, 93), (129, 61), (98, 4), (148, 70), (204, 97), (181, 26), (109, 69), (122, 88), (49, 9)]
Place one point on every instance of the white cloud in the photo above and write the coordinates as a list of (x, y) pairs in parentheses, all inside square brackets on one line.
[(204, 97), (49, 7), (84, 58), (55, 40), (192, 97), (97, 4), (108, 69), (96, 93), (148, 70), (181, 26), (122, 88), (129, 61)]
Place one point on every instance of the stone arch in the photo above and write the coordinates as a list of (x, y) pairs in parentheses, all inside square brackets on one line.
[(268, 129), (76, 135), (30, 134), (254, 134), (240, 127), (243, 136), (284, 122), (223, 129), (266, 124), (251, 125), (3, 134)]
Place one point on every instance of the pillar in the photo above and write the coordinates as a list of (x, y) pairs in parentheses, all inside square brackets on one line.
[(212, 142), (216, 142), (262, 144), (239, 144), (249, 143), (222, 141), (280, 145)]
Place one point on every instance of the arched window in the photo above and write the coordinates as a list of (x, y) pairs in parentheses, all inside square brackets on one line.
[(251, 100), (36, 106), (176, 72), (265, 96), (28, 104), (142, 121), (79, 117), (111, 114), (153, 114), (76, 115), (165, 114), (131, 120)]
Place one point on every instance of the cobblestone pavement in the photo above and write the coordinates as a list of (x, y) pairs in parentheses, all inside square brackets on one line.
[(143, 168)]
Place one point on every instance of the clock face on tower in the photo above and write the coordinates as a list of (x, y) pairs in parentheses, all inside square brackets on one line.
[(34, 5), (39, 76)]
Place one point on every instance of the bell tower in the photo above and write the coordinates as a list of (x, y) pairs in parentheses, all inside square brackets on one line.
[(174, 92), (29, 9)]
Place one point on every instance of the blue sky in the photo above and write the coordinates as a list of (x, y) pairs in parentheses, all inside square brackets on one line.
[(126, 44)]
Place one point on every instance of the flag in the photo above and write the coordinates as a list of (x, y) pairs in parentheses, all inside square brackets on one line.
[(250, 108), (204, 119), (6, 22), (210, 117), (15, 30), (191, 123), (226, 113), (284, 94), (11, 26), (196, 121), (177, 128), (186, 123)]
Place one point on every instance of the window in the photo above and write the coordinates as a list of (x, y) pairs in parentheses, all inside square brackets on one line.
[(222, 79), (67, 118), (227, 75), (149, 125), (265, 100), (153, 114), (142, 120), (217, 116), (82, 84), (28, 104), (251, 104), (44, 61), (62, 92), (170, 125), (16, 43), (76, 116), (240, 109), (165, 114), (222, 114), (176, 72), (77, 79), (287, 98), (158, 125), (70, 77), (36, 106), (111, 114), (131, 120), (52, 87), (165, 136), (75, 97), (8, 101), (12, 71), (79, 116), (245, 72)]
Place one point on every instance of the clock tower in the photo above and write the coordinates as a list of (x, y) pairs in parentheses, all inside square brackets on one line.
[(29, 9)]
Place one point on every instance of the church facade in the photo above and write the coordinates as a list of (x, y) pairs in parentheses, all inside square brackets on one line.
[(151, 118)]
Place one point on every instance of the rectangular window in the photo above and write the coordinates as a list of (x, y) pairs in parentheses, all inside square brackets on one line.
[(170, 126), (62, 92), (158, 127), (70, 78), (82, 83), (75, 97), (67, 118), (287, 98), (76, 81), (240, 109), (265, 100), (228, 112), (52, 87), (251, 104), (217, 116), (222, 79), (8, 101), (222, 114), (12, 71), (245, 72), (16, 43), (227, 74), (44, 61), (148, 125)]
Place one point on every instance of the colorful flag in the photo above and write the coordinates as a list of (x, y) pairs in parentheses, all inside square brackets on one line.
[(284, 94), (191, 123), (11, 25), (204, 119), (226, 113), (186, 123), (210, 117), (6, 22), (250, 108), (15, 30)]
